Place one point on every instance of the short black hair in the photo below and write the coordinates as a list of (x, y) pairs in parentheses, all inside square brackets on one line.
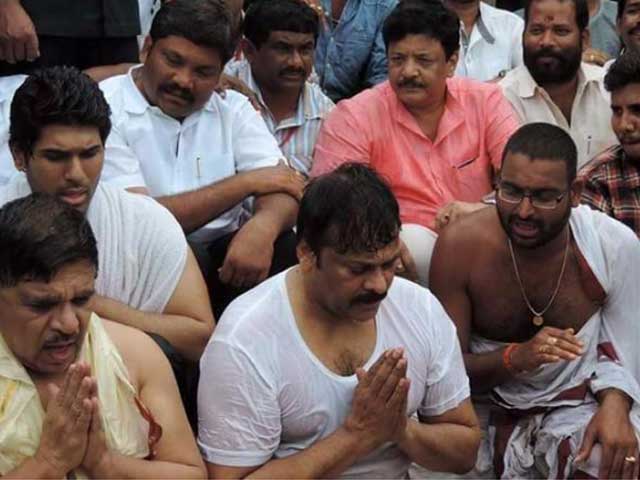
[(541, 140), (622, 72), (351, 209), (622, 4), (40, 234), (56, 96), (206, 23), (265, 16), (423, 17), (580, 6)]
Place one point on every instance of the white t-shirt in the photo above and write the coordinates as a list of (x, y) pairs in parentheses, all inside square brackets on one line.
[(142, 250), (147, 148), (263, 394)]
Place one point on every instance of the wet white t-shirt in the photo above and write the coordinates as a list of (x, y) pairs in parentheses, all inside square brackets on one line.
[(263, 394)]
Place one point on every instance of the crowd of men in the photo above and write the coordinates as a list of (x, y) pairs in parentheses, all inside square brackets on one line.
[(319, 239)]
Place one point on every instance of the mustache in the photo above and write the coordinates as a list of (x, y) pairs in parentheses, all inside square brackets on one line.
[(514, 218), (178, 91), (293, 71), (58, 338), (369, 298), (411, 83), (548, 52)]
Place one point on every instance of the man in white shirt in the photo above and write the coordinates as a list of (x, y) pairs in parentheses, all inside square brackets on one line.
[(199, 154), (148, 277), (279, 42), (334, 357), (490, 39), (553, 86)]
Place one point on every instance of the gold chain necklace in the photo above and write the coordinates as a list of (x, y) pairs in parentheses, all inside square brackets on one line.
[(538, 318)]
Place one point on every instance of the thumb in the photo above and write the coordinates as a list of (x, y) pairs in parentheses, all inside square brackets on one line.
[(588, 441), (96, 424), (53, 390), (360, 373)]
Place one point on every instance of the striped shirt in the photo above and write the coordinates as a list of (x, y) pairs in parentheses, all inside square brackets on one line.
[(296, 135), (612, 185)]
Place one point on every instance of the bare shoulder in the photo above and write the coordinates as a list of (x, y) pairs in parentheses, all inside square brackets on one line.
[(471, 234), (139, 352)]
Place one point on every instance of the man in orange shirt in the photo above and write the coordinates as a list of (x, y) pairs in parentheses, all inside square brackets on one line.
[(437, 139)]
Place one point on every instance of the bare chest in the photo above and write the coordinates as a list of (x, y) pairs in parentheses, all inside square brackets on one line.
[(500, 311)]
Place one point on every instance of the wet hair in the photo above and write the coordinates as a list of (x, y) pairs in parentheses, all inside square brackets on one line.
[(544, 141), (351, 209), (580, 7), (423, 17), (39, 235), (206, 23), (266, 16), (56, 96), (624, 71)]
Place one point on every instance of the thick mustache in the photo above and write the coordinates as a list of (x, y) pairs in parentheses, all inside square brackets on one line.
[(410, 83), (370, 298), (178, 91), (548, 53)]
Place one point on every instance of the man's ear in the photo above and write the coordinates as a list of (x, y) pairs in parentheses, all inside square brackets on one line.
[(146, 48), (452, 63), (19, 158), (576, 191), (306, 257), (249, 49)]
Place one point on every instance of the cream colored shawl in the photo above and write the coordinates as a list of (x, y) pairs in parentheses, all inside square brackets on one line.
[(22, 415)]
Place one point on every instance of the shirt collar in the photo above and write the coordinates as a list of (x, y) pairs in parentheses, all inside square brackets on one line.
[(307, 109), (483, 28), (136, 103), (452, 116)]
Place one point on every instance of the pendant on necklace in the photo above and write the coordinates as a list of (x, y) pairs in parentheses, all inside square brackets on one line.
[(537, 320)]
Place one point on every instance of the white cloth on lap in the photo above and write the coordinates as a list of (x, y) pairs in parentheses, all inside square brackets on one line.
[(142, 250), (612, 252)]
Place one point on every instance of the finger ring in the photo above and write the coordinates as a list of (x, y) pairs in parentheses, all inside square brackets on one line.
[(542, 349), (552, 340), (591, 57), (630, 459)]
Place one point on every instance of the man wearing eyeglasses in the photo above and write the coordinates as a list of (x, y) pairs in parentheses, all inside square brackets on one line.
[(544, 295)]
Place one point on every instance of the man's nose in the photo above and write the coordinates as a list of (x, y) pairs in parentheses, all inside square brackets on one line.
[(66, 320)]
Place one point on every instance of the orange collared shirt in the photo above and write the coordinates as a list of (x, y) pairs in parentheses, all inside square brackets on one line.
[(375, 128)]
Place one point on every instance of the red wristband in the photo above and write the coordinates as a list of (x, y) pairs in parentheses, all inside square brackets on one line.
[(506, 358)]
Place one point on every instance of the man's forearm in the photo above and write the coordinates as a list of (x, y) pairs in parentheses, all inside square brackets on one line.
[(198, 207), (441, 447), (33, 468), (278, 210), (120, 466), (486, 370), (327, 458), (188, 335)]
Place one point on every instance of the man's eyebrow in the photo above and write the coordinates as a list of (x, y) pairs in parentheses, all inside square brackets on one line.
[(31, 297)]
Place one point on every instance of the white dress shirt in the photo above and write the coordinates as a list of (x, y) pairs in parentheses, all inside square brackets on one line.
[(494, 46), (590, 125), (147, 148)]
